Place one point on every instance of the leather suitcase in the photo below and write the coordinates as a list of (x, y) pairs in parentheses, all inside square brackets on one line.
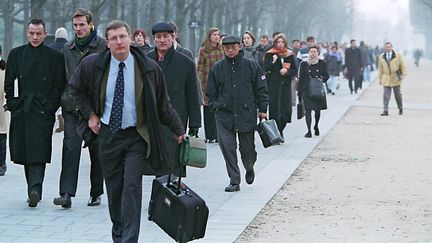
[(180, 212)]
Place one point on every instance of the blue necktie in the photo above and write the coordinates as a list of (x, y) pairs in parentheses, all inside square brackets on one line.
[(116, 116)]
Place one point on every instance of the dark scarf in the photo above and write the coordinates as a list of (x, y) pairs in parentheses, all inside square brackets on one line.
[(83, 42)]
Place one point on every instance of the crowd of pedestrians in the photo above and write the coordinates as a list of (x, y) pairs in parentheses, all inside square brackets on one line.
[(132, 102)]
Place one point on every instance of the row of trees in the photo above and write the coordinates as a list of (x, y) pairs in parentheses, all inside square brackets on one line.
[(421, 18), (327, 20)]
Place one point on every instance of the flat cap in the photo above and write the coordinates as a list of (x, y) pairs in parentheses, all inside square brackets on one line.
[(230, 39), (162, 27)]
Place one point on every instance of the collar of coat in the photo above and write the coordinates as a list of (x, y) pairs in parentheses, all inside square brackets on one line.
[(384, 55), (103, 59)]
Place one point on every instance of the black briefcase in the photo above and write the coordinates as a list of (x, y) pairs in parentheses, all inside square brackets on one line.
[(269, 133), (178, 210)]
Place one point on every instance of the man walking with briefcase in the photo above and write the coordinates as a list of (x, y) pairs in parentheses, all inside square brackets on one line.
[(237, 88)]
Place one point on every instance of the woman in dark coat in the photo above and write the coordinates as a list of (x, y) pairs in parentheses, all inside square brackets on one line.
[(280, 69), (312, 68)]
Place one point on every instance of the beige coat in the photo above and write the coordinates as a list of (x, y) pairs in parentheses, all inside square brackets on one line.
[(388, 77), (4, 116)]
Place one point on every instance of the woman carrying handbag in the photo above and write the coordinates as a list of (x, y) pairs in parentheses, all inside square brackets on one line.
[(311, 72)]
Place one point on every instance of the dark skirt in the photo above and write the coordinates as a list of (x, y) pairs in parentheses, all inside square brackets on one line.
[(313, 104)]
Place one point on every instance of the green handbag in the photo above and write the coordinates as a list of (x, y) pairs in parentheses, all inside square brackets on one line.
[(193, 152)]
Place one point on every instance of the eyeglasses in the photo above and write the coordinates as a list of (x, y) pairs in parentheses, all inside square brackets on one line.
[(117, 38)]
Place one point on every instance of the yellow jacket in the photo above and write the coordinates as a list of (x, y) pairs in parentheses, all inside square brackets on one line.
[(387, 74)]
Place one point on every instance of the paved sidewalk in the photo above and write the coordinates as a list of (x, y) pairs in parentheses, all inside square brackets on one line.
[(230, 213)]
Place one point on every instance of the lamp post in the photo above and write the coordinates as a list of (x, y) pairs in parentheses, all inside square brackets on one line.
[(194, 25)]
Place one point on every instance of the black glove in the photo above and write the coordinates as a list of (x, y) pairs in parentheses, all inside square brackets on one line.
[(193, 132)]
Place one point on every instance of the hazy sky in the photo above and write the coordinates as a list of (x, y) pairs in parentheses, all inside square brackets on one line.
[(390, 10)]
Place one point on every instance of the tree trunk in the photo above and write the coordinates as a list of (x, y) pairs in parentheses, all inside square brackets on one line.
[(134, 14), (36, 9), (8, 10)]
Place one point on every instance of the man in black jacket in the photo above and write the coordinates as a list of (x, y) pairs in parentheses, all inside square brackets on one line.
[(182, 84), (123, 96), (353, 66), (237, 90)]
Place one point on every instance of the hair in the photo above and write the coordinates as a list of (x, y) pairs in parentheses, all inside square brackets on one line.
[(352, 41), (2, 64), (116, 24), (295, 40), (284, 38), (334, 46), (251, 35), (388, 43), (275, 34), (206, 43), (36, 22), (264, 37), (140, 31), (83, 12), (175, 28), (310, 38)]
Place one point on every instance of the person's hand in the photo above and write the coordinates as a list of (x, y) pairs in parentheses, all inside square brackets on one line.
[(94, 123), (283, 71), (180, 138), (193, 132), (262, 115), (402, 77), (380, 82), (275, 57)]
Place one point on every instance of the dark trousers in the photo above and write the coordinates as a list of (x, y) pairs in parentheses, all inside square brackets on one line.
[(71, 155), (357, 83), (34, 174), (122, 157), (209, 124), (397, 93), (228, 145), (2, 149)]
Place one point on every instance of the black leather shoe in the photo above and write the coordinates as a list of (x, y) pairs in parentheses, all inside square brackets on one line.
[(308, 134), (317, 132), (94, 201), (385, 113), (250, 176), (232, 188), (33, 199), (64, 200), (400, 111)]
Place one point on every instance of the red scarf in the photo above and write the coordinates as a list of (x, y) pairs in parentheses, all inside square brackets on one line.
[(284, 52)]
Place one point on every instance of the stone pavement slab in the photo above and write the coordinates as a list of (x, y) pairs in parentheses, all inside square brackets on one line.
[(230, 213)]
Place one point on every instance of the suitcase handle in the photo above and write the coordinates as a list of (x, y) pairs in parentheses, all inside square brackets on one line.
[(178, 191)]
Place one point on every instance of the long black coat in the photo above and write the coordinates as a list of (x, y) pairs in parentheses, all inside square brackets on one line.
[(182, 84), (353, 62), (152, 101), (318, 70), (41, 80), (279, 88), (236, 89)]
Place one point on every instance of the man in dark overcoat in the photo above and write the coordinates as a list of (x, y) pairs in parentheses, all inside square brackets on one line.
[(122, 93), (85, 42), (35, 79), (182, 84), (353, 66), (237, 91)]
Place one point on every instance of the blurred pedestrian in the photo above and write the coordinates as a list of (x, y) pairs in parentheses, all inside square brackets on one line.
[(139, 38), (280, 69), (353, 66), (392, 71), (312, 68), (334, 67), (417, 55), (177, 45), (209, 53), (249, 50), (35, 79), (4, 118), (237, 92), (264, 44)]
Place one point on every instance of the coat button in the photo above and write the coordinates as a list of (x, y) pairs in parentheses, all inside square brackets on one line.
[(234, 85), (235, 115)]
